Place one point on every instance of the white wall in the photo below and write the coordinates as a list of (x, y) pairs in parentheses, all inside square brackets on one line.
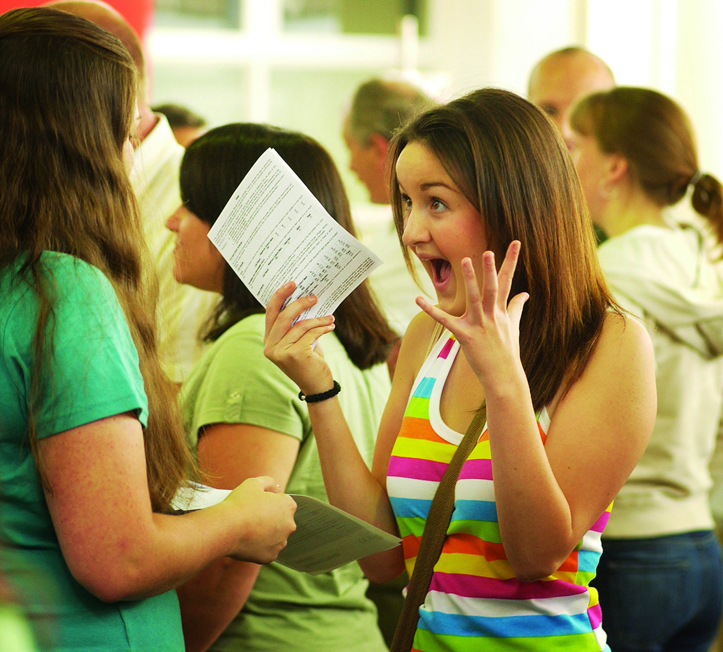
[(699, 76), (496, 42)]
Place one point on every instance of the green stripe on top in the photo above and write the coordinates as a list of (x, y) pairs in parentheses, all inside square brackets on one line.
[(424, 640), (413, 525), (417, 407), (485, 530)]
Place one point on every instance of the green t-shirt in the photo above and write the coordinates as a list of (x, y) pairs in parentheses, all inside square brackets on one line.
[(15, 633), (235, 383), (93, 373)]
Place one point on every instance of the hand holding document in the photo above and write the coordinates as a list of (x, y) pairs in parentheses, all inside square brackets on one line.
[(273, 230), (325, 538)]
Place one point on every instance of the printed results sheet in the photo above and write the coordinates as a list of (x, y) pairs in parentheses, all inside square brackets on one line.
[(273, 230)]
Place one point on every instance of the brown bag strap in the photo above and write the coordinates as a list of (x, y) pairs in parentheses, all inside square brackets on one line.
[(433, 537)]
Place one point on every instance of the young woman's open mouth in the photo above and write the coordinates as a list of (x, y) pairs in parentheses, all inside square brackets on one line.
[(441, 272)]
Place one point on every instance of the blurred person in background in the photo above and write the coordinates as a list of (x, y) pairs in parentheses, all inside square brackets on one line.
[(660, 578), (378, 108), (561, 78), (185, 124)]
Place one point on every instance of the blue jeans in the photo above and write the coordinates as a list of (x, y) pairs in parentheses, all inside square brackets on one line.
[(663, 594)]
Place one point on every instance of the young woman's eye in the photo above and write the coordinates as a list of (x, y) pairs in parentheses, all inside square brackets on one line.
[(406, 202), (438, 205)]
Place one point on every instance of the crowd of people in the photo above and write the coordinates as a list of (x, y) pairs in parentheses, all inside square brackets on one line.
[(529, 395)]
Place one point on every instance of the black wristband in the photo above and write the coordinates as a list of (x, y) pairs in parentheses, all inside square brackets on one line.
[(315, 398)]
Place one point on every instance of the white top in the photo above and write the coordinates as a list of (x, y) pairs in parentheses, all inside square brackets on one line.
[(182, 309), (664, 277)]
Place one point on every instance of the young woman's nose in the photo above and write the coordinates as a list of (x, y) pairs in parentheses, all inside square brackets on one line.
[(173, 220), (414, 229)]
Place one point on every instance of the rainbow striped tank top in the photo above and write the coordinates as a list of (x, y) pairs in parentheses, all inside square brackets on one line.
[(474, 601)]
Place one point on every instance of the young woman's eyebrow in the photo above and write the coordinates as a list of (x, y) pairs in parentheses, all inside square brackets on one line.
[(431, 184)]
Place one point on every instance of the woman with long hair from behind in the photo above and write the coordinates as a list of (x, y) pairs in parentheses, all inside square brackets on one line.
[(245, 417), (91, 444), (660, 577), (485, 195)]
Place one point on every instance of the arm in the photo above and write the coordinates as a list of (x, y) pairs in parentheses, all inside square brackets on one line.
[(116, 546), (549, 496), (715, 467), (228, 454), (349, 483)]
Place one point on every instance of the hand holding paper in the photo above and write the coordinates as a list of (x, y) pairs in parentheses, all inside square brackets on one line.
[(325, 537)]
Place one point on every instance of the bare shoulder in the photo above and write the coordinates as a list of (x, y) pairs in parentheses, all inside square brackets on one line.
[(622, 361), (415, 343), (624, 341)]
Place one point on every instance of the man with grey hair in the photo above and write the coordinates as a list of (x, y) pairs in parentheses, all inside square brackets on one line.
[(379, 107), (561, 78)]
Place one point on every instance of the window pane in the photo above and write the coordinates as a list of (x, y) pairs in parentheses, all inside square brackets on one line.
[(218, 93), (200, 14), (351, 16)]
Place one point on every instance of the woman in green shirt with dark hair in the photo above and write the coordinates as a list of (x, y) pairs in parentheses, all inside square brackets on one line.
[(245, 417)]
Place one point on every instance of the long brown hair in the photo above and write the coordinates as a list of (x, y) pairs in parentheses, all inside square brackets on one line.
[(654, 135), (67, 101), (212, 168), (507, 158)]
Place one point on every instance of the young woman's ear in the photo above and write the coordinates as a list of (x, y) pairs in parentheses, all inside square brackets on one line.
[(616, 168)]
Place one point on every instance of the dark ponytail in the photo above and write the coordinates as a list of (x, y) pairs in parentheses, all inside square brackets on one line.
[(707, 200)]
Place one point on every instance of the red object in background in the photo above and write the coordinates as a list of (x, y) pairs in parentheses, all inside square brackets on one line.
[(138, 13)]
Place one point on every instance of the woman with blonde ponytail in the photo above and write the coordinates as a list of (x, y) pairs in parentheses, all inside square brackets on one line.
[(91, 445), (660, 579)]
